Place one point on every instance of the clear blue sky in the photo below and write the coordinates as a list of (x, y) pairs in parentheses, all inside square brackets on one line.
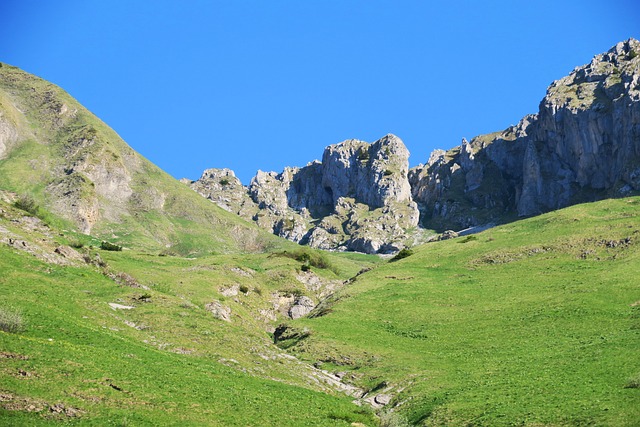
[(257, 84)]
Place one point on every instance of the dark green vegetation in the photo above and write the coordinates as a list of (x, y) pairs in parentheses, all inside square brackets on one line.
[(534, 323)]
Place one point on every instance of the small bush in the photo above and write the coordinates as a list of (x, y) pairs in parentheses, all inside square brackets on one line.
[(392, 419), (11, 320), (468, 239), (305, 267), (77, 244), (388, 172), (244, 289), (363, 154), (402, 254), (26, 203), (633, 382), (107, 246), (224, 181), (313, 259)]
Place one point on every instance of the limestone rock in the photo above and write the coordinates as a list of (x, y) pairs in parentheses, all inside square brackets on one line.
[(358, 198), (583, 145), (382, 399), (223, 188), (219, 310), (301, 307)]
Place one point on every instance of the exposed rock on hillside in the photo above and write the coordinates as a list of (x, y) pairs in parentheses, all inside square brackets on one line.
[(583, 145), (358, 198), (76, 167)]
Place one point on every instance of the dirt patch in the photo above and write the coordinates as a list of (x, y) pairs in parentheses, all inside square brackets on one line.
[(8, 355), (11, 402)]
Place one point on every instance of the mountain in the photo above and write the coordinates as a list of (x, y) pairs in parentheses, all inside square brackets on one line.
[(582, 145), (531, 323), (82, 173), (358, 198)]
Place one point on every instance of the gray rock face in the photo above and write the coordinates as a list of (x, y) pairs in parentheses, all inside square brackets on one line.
[(583, 145), (223, 188), (375, 175), (358, 198), (8, 135), (301, 307), (219, 311)]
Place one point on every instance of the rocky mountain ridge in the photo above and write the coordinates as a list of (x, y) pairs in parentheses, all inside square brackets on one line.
[(582, 145), (358, 198)]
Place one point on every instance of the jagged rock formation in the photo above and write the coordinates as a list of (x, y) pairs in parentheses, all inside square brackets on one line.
[(358, 198), (583, 145)]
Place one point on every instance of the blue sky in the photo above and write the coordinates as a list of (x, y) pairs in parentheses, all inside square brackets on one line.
[(249, 84)]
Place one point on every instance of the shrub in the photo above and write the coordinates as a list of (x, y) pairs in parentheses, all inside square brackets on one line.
[(107, 246), (388, 172), (224, 181), (26, 203), (392, 419), (402, 254), (633, 382), (305, 267), (77, 244), (11, 320), (244, 289), (313, 259), (363, 154), (468, 239)]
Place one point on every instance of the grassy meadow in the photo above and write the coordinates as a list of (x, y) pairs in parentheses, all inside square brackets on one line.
[(535, 323)]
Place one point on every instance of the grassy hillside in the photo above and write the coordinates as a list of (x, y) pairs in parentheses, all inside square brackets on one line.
[(89, 179), (74, 359), (533, 323)]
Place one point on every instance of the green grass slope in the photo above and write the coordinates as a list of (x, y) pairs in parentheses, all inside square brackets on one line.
[(82, 172), (536, 323), (167, 361)]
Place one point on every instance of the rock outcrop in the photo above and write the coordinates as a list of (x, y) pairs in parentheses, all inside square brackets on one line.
[(583, 145), (358, 198)]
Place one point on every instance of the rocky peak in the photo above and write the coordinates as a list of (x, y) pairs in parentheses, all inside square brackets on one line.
[(221, 187), (357, 198), (373, 174), (583, 145)]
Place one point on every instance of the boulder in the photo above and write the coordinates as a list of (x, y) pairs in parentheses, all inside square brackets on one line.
[(301, 307), (219, 310)]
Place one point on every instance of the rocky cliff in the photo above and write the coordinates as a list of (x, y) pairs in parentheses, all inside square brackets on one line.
[(583, 145), (358, 198)]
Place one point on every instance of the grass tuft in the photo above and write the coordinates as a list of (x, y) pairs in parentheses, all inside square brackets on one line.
[(11, 320)]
